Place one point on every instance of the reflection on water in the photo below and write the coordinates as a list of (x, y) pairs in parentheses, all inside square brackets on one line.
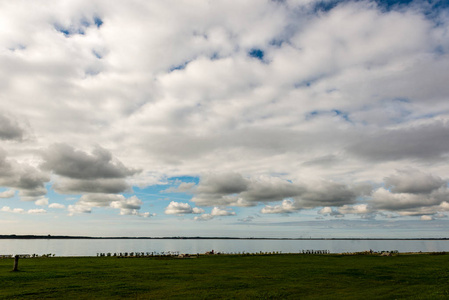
[(90, 247)]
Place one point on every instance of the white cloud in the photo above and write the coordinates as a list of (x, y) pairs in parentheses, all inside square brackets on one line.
[(14, 210), (355, 209), (444, 206), (287, 206), (37, 211), (56, 205), (183, 187), (77, 209), (216, 211), (130, 206), (41, 201), (325, 210), (130, 203), (7, 194), (22, 211), (179, 208), (204, 217)]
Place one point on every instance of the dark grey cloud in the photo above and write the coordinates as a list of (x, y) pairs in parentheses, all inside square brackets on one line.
[(80, 172), (411, 192), (328, 194), (99, 200), (424, 142), (10, 129), (79, 186), (272, 190), (231, 189), (294, 196), (324, 161), (180, 146), (413, 181), (28, 180), (385, 200), (65, 161), (230, 183)]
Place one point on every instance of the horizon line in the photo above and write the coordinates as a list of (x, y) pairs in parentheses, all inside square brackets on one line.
[(32, 236)]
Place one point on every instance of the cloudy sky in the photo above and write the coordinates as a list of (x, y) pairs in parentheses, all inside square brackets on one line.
[(253, 118)]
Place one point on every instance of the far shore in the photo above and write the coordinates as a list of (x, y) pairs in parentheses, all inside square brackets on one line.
[(14, 236)]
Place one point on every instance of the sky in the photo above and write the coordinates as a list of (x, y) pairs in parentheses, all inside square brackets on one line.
[(295, 118)]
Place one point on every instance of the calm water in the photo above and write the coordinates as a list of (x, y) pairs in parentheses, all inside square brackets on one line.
[(88, 247)]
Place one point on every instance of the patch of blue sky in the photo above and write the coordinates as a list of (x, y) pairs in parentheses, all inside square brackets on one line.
[(63, 30), (277, 42), (303, 84), (342, 114), (162, 191), (15, 203), (4, 189), (308, 82), (84, 23), (215, 56), (97, 54), (256, 53), (439, 50), (334, 112), (393, 4), (429, 115), (54, 197), (179, 179), (429, 7), (69, 31), (91, 72), (312, 114), (157, 197), (17, 48), (98, 22), (179, 67), (325, 5), (12, 202), (399, 107), (401, 100)]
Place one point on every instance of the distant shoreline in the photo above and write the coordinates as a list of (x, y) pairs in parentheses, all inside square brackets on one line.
[(61, 237)]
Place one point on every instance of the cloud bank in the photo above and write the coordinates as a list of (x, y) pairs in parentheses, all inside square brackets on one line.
[(218, 110)]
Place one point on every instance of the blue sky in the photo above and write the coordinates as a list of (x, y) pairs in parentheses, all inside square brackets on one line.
[(292, 118)]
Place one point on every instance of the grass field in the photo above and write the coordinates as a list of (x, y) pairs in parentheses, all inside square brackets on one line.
[(229, 277)]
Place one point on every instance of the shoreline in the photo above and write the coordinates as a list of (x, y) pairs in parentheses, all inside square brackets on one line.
[(61, 237)]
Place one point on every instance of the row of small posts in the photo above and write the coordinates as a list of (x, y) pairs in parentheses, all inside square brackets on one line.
[(138, 254), (316, 252)]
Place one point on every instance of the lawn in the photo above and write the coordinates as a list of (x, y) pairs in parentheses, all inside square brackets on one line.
[(229, 277)]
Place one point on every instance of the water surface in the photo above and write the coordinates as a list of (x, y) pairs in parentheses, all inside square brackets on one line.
[(90, 247)]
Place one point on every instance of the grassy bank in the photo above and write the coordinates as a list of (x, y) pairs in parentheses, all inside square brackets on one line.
[(242, 277)]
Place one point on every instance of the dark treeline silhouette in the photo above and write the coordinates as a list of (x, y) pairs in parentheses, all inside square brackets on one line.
[(14, 236)]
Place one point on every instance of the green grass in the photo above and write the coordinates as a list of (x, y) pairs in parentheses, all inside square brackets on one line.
[(229, 277)]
